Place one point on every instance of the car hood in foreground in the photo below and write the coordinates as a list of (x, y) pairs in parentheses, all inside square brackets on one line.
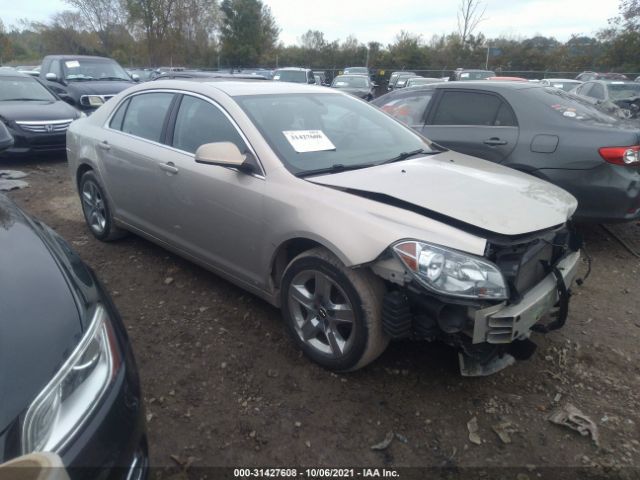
[(463, 188), (37, 111), (39, 320)]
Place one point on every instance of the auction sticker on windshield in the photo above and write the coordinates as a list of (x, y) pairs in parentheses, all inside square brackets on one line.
[(72, 64), (304, 141)]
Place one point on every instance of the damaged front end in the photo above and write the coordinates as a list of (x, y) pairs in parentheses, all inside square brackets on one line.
[(486, 307)]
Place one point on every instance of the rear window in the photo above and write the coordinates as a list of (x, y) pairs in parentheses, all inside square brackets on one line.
[(569, 106)]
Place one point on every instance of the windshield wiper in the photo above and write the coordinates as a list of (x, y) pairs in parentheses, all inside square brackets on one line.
[(405, 155), (114, 78), (335, 168)]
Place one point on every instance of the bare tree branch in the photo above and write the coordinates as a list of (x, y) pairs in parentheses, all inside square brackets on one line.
[(470, 14)]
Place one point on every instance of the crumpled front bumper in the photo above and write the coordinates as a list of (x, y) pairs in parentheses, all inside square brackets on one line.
[(503, 323)]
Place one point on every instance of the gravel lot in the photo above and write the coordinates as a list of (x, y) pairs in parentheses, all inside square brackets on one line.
[(224, 386)]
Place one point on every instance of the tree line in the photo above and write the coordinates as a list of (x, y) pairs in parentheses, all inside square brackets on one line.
[(244, 33)]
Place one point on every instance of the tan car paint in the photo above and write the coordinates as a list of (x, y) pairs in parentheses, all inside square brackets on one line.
[(234, 223)]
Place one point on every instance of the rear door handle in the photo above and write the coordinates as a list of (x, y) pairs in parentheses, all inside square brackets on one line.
[(494, 141), (168, 167), (104, 145)]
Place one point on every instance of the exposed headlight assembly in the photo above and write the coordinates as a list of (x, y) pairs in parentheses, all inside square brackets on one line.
[(449, 272), (70, 397)]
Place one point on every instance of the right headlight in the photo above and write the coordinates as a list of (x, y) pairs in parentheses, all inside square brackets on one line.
[(449, 272), (69, 398)]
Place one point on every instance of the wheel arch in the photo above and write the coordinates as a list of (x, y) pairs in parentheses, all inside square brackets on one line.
[(291, 248)]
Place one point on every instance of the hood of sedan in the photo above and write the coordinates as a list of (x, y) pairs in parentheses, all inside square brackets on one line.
[(39, 320), (465, 189), (37, 110)]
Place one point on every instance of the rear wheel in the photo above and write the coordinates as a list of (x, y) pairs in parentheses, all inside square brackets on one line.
[(333, 312), (95, 208)]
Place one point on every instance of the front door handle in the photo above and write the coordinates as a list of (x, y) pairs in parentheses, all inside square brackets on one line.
[(104, 145), (494, 142), (168, 167)]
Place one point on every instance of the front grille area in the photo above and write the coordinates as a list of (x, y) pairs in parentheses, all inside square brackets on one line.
[(45, 126), (525, 265)]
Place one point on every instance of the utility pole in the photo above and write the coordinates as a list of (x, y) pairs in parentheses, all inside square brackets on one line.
[(486, 63), (366, 63)]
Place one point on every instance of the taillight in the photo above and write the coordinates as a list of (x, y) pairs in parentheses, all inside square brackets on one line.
[(629, 156)]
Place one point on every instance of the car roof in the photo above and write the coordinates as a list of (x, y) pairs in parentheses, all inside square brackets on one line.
[(562, 80), (293, 69), (238, 87)]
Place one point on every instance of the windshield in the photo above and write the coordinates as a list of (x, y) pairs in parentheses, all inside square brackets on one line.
[(18, 88), (296, 76), (619, 91), (93, 69), (314, 131), (350, 82), (571, 107)]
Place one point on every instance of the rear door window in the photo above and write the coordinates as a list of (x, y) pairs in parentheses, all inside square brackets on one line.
[(472, 108), (146, 115), (199, 122)]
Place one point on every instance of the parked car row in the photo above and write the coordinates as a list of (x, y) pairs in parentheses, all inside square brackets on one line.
[(441, 211)]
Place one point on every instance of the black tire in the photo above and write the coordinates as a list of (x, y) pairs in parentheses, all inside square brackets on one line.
[(359, 289), (104, 229)]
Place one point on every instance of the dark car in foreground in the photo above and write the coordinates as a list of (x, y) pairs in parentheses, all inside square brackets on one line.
[(357, 85), (543, 131), (68, 378), (83, 81), (36, 118)]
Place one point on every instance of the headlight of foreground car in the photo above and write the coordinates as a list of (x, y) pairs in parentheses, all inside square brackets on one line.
[(70, 397), (453, 273)]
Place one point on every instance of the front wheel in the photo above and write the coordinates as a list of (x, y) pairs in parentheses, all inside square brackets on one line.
[(333, 312)]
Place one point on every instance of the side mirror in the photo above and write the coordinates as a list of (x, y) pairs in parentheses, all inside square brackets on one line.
[(52, 77), (6, 139), (223, 154), (135, 77)]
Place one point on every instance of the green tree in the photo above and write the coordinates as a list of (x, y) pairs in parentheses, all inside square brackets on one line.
[(248, 32)]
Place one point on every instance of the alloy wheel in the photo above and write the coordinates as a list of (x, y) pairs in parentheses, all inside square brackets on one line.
[(323, 315), (93, 206)]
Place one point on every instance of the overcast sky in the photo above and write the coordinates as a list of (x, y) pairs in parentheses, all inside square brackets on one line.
[(381, 20)]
